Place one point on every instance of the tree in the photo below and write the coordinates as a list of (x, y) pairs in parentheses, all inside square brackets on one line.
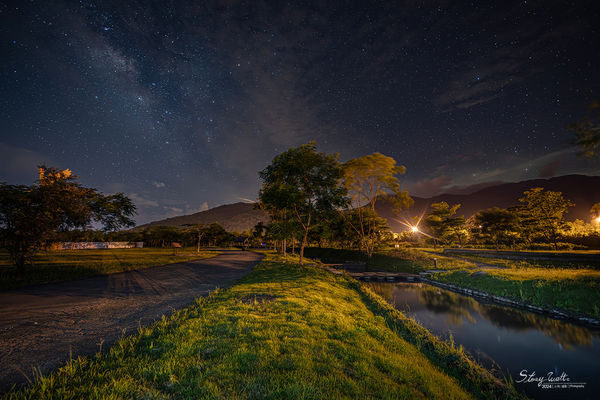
[(442, 224), (161, 235), (368, 179), (33, 215), (216, 234), (498, 224), (542, 212), (197, 231), (587, 134), (303, 183)]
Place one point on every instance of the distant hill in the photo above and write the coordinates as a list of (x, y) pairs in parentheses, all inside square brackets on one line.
[(582, 190), (236, 217)]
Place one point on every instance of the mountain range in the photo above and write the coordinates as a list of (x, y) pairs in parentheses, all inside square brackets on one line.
[(582, 190)]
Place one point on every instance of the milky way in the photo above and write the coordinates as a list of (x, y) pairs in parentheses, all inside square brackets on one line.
[(180, 104)]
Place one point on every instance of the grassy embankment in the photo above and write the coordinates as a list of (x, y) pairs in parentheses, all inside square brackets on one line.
[(402, 260), (571, 286), (54, 266), (282, 332)]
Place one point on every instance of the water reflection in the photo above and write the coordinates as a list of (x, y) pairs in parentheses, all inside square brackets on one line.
[(456, 308), (507, 338)]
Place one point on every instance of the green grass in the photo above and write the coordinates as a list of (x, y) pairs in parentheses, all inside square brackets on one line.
[(532, 263), (576, 290), (282, 332), (401, 260), (53, 266), (571, 286)]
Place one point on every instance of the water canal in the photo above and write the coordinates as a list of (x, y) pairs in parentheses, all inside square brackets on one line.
[(506, 339)]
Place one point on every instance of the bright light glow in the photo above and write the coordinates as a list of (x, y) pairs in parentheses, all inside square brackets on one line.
[(415, 229), (598, 220)]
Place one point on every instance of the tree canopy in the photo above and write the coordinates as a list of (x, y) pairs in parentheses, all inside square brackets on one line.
[(541, 213), (33, 215), (498, 224), (303, 184), (368, 179), (443, 224)]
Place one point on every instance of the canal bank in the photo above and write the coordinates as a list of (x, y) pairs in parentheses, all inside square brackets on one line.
[(283, 331), (514, 341)]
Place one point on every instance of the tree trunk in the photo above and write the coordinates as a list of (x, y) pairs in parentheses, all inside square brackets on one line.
[(284, 247), (302, 247)]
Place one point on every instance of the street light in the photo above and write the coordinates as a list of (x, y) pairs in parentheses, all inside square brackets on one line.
[(416, 229), (598, 220)]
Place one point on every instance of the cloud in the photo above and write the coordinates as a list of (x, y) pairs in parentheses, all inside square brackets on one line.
[(549, 170), (482, 84), (192, 210), (140, 201), (174, 210), (430, 187), (510, 60), (158, 185), (523, 168)]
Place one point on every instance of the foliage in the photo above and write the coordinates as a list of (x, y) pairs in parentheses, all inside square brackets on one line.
[(162, 235), (442, 223), (576, 290), (303, 184), (198, 234), (406, 260), (368, 179), (587, 134), (30, 216), (63, 265), (541, 213), (498, 224)]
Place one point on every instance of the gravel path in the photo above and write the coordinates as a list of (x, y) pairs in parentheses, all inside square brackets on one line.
[(40, 326)]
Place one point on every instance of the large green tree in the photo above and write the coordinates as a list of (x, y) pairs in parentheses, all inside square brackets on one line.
[(32, 215), (305, 184), (498, 224), (443, 224), (541, 213), (368, 179)]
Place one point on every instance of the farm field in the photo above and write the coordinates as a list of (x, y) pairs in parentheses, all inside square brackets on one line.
[(54, 266)]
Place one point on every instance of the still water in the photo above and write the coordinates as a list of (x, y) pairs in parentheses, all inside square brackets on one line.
[(506, 339)]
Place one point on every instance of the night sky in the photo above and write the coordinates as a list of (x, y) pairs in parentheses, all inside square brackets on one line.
[(180, 104)]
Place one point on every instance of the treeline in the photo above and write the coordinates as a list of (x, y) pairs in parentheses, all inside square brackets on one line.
[(158, 236), (536, 223), (313, 198)]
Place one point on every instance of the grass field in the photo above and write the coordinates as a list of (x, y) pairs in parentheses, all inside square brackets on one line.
[(571, 286), (402, 260), (53, 266), (282, 332), (576, 290)]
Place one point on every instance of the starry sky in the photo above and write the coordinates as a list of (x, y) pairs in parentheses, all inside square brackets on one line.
[(179, 104)]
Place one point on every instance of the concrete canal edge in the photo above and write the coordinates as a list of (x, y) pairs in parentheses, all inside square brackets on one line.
[(556, 313)]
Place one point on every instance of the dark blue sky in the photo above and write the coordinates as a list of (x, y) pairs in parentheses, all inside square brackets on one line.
[(180, 104)]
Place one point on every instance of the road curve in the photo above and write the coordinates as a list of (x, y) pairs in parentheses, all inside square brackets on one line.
[(40, 326)]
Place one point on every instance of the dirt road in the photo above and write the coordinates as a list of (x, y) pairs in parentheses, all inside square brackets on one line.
[(40, 326)]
